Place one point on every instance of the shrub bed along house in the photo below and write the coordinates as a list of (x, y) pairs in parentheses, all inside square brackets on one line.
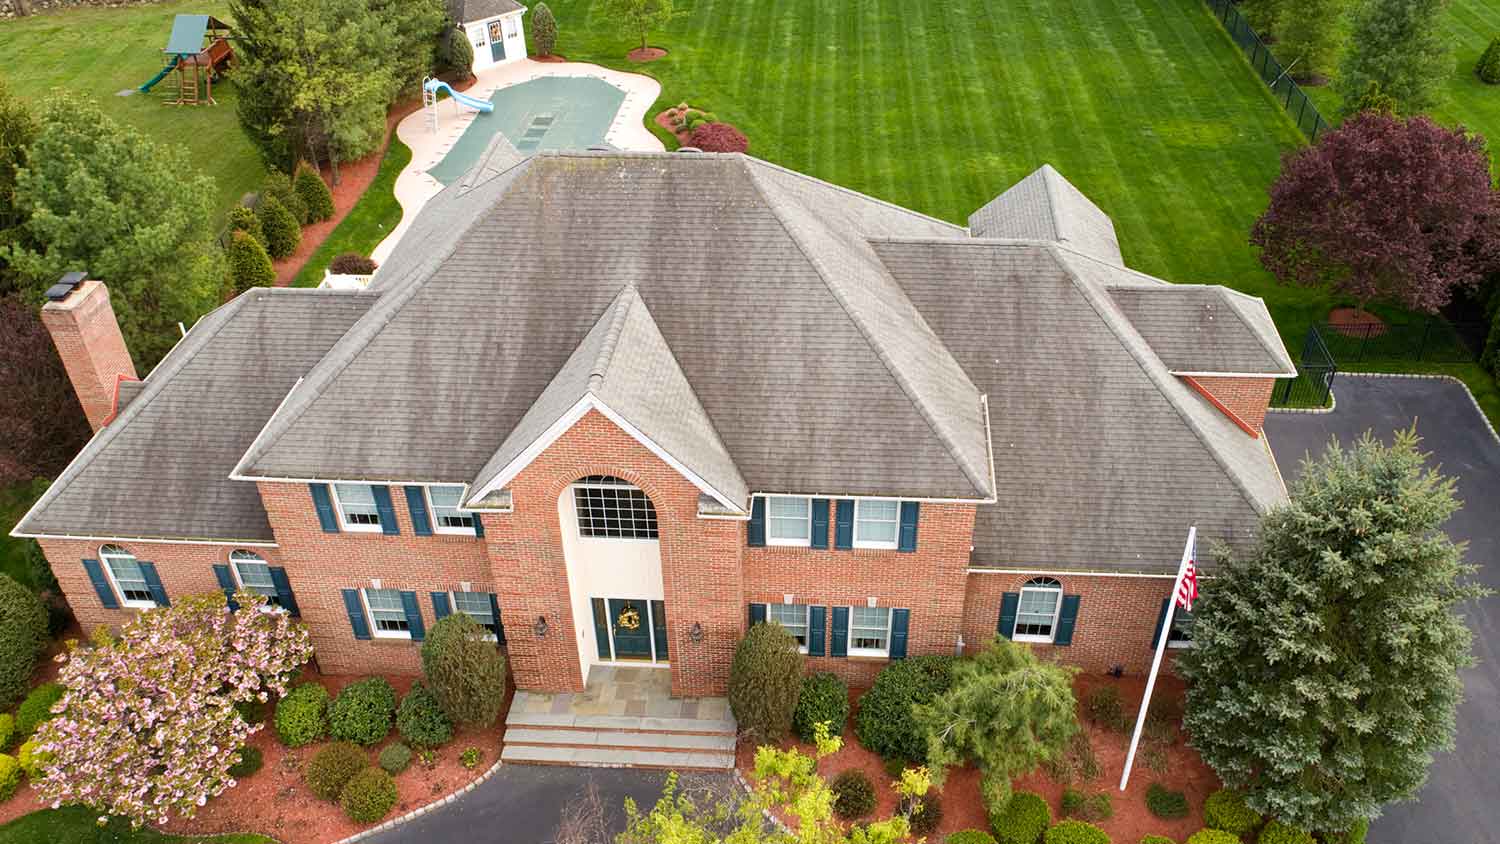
[(1106, 710), (1022, 819), (1226, 810), (368, 796), (824, 698), (421, 721), (23, 637), (363, 711), (1076, 832), (885, 724), (332, 767), (853, 795), (302, 716), (765, 679)]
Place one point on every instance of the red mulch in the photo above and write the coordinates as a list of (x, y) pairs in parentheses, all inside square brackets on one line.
[(640, 55), (274, 800), (963, 809), (549, 58), (1354, 322), (666, 119)]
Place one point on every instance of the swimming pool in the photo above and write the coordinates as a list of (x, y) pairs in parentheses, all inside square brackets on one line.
[(547, 113)]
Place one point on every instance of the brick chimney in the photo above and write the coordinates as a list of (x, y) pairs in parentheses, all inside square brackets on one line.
[(88, 339)]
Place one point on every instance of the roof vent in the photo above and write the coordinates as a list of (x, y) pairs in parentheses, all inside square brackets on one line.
[(64, 286)]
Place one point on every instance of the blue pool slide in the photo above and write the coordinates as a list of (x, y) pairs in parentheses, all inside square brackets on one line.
[(437, 86)]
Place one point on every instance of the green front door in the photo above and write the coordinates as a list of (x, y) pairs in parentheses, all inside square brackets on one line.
[(632, 628), (497, 41)]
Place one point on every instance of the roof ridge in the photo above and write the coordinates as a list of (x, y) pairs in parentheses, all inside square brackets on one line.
[(1050, 189), (618, 311)]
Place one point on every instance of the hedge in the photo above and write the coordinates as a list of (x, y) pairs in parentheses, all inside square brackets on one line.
[(242, 219), (1156, 839), (363, 711), (824, 698), (302, 716), (23, 637)]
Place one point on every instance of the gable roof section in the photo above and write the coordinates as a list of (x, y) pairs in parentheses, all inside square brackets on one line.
[(468, 11), (1084, 411), (624, 368), (1045, 206), (160, 470), (1204, 330)]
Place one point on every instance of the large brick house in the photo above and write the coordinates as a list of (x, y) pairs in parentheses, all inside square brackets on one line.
[(627, 404)]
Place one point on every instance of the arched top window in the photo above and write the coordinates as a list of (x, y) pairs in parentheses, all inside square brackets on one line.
[(253, 573), (1036, 613), (126, 574), (611, 508)]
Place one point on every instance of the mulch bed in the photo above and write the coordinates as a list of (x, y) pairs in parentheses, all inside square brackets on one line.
[(641, 55), (1353, 322), (666, 120), (963, 809)]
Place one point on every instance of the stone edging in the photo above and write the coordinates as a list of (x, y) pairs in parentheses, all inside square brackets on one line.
[(766, 813), (1470, 393), (422, 810)]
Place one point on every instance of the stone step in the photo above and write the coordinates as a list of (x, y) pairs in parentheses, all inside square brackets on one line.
[(622, 739), (628, 723), (605, 757)]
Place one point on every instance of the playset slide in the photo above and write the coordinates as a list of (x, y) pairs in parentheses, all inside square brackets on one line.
[(435, 86), (160, 75)]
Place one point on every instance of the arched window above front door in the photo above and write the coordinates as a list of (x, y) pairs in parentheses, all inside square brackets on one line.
[(611, 508)]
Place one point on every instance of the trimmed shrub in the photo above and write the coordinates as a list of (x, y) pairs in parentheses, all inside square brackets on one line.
[(352, 263), (1488, 67), (1213, 836), (395, 758), (332, 767), (1276, 832), (10, 776), (969, 836), (36, 709), (34, 763), (458, 52), (7, 729), (929, 813), (824, 697), (249, 762), (718, 137), (242, 219), (313, 192), (280, 187), (1075, 832), (464, 670), (1226, 810), (421, 721), (1104, 708), (368, 796), (302, 716), (885, 724), (1088, 807), (283, 233), (853, 795), (1156, 839), (1023, 820), (470, 758), (543, 29), (764, 681), (363, 711), (249, 265), (23, 637), (1166, 803)]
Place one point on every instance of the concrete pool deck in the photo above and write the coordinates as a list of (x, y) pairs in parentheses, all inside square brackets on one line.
[(415, 186)]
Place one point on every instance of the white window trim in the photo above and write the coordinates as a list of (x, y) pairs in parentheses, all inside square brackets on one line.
[(883, 546), (375, 630), (338, 507), (1056, 614), (806, 620), (875, 652), (234, 567), (109, 573), (453, 608), (432, 513), (790, 543)]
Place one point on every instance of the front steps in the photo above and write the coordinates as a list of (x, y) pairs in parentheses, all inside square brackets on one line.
[(617, 741)]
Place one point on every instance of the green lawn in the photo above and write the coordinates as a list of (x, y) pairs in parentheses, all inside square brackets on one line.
[(372, 218), (76, 825), (97, 52)]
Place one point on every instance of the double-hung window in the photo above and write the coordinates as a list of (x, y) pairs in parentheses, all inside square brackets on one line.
[(1036, 613), (445, 515), (1181, 634), (387, 616), (127, 576), (877, 523), (356, 505), (788, 521), (476, 605), (253, 574), (793, 617), (869, 631)]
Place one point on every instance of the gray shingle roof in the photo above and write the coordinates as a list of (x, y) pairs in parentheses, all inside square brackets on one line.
[(468, 11), (1045, 206), (1201, 329), (161, 468)]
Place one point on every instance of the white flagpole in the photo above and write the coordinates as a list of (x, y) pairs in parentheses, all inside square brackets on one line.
[(1161, 647)]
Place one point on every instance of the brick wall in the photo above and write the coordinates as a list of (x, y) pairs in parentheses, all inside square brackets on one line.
[(93, 351), (1247, 397)]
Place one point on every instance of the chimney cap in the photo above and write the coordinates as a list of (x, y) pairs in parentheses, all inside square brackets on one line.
[(65, 285)]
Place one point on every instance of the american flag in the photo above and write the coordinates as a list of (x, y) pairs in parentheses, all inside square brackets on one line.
[(1187, 589)]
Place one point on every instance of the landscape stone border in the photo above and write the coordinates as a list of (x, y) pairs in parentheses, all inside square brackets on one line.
[(422, 810)]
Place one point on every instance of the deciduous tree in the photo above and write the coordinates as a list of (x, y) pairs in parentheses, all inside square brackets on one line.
[(639, 17), (1324, 668), (1310, 33), (44, 425), (1399, 44), (1384, 208)]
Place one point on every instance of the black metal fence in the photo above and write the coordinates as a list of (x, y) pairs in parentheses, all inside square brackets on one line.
[(1433, 340), (1296, 103), (1314, 381)]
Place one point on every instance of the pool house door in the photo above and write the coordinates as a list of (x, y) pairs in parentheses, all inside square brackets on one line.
[(497, 41)]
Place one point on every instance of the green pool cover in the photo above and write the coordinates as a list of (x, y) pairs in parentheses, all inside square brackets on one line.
[(553, 112)]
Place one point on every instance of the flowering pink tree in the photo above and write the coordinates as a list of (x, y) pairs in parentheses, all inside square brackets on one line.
[(148, 725), (1384, 208)]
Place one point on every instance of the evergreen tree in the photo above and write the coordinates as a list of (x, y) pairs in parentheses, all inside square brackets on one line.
[(1398, 44), (1374, 99), (18, 129), (313, 193), (418, 28), (1310, 33), (460, 52), (1324, 667), (283, 235), (543, 30), (1488, 67), (101, 197), (249, 265), (242, 219)]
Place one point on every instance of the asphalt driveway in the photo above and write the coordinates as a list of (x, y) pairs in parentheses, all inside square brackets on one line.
[(1458, 805)]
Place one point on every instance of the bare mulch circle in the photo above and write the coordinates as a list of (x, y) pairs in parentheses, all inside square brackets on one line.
[(1353, 322), (640, 55)]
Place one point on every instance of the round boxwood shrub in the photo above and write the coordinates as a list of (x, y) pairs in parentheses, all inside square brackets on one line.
[(332, 767), (1226, 810), (928, 814), (249, 762), (313, 192), (718, 137), (363, 711), (1023, 820), (352, 263), (1166, 803), (853, 795), (464, 670), (1276, 832), (824, 697), (969, 836), (1488, 67), (395, 758), (34, 763), (10, 776), (885, 724), (421, 721), (1076, 832), (36, 709), (1213, 836), (23, 636), (283, 233), (1156, 839), (764, 680), (369, 796), (302, 716)]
